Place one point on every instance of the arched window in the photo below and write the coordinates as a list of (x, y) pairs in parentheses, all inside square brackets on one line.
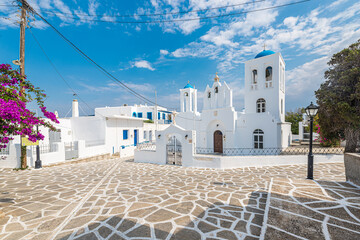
[(186, 94), (268, 74), (258, 139), (216, 89), (260, 105), (254, 76), (134, 114), (209, 94)]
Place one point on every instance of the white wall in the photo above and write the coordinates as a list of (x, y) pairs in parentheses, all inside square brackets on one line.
[(91, 151), (11, 160), (47, 158), (128, 111), (186, 137), (148, 157), (228, 162), (272, 95), (88, 128)]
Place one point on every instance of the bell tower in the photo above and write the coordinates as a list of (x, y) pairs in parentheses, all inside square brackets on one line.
[(265, 85), (188, 99)]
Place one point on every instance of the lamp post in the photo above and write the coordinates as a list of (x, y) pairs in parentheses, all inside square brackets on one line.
[(311, 111), (38, 161)]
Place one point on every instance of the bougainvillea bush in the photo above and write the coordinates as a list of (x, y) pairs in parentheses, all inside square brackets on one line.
[(325, 142), (15, 118)]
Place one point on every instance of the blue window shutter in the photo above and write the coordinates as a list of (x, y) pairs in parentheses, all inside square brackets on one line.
[(149, 115), (125, 134), (140, 115)]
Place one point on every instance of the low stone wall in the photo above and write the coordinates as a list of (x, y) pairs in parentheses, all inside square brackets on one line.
[(79, 160), (228, 162), (352, 167)]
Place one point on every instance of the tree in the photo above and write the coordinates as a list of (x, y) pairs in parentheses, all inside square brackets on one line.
[(294, 118), (339, 97), (15, 118)]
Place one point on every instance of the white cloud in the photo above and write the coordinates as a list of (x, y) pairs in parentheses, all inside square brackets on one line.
[(307, 77), (93, 5), (45, 4), (115, 87), (188, 27), (63, 8), (164, 52), (143, 64), (106, 17), (233, 42)]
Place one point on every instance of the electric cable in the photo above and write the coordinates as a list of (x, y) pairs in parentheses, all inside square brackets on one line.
[(159, 14), (104, 71), (186, 19)]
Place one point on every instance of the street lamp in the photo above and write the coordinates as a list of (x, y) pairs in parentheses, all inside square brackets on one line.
[(311, 111), (38, 161)]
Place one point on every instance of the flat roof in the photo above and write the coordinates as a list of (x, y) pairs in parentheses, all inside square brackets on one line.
[(126, 118)]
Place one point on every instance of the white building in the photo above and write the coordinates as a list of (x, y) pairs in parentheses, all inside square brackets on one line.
[(260, 125), (111, 130), (115, 127), (156, 114)]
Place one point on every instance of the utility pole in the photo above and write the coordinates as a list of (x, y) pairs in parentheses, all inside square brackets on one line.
[(23, 23), (156, 112)]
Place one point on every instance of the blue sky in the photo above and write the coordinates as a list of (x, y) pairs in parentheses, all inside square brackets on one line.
[(165, 56)]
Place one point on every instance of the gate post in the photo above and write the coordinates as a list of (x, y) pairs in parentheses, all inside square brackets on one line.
[(81, 148)]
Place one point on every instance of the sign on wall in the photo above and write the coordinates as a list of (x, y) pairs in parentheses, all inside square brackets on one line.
[(26, 142)]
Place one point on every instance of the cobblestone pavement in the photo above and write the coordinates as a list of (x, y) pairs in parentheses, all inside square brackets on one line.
[(117, 199)]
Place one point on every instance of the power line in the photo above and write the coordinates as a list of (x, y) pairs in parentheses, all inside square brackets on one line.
[(187, 19), (67, 83), (9, 5), (109, 75), (55, 68), (151, 14), (161, 14), (104, 71)]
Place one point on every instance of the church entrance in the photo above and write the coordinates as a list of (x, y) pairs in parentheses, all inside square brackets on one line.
[(218, 142), (173, 151)]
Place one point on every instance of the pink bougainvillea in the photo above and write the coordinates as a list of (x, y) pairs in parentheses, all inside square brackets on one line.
[(324, 141), (15, 118)]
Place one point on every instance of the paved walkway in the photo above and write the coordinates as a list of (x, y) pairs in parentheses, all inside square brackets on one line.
[(116, 199)]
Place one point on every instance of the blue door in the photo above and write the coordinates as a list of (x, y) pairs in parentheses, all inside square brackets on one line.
[(135, 137)]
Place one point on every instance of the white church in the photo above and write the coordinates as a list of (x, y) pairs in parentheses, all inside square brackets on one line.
[(262, 122)]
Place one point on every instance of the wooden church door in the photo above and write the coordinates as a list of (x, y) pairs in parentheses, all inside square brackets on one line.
[(218, 141)]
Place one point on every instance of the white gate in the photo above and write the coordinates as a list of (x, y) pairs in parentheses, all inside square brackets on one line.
[(71, 150), (173, 151)]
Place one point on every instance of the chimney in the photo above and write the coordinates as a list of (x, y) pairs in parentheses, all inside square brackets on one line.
[(75, 108), (56, 114)]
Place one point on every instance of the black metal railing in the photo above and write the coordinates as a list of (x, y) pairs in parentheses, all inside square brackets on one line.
[(270, 151), (46, 148)]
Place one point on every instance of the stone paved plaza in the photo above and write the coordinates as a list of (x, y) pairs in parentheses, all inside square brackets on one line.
[(118, 199)]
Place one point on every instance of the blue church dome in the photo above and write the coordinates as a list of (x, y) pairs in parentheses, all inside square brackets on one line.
[(264, 53), (188, 86)]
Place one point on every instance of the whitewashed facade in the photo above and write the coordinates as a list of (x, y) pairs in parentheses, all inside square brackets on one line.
[(262, 122), (111, 130), (157, 114)]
